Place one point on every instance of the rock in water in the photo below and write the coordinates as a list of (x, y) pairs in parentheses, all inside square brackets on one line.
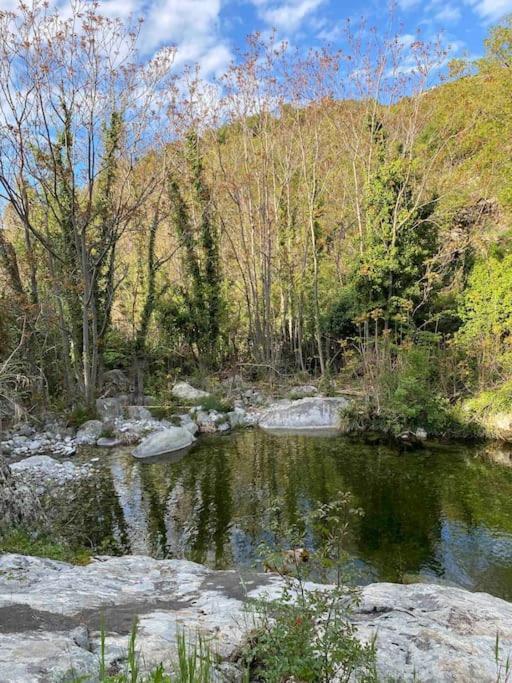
[(166, 441), (186, 392), (305, 414)]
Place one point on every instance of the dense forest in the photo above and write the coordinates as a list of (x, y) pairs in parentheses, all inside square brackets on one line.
[(338, 214)]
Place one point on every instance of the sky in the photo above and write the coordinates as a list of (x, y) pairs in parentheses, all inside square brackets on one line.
[(210, 31)]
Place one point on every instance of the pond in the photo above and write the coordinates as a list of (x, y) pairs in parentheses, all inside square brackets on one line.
[(440, 514)]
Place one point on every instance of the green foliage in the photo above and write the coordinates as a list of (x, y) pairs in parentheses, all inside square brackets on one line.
[(400, 237), (486, 312), (25, 543), (214, 402), (305, 634), (492, 401), (80, 414)]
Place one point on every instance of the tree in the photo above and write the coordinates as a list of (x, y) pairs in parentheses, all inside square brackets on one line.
[(78, 109)]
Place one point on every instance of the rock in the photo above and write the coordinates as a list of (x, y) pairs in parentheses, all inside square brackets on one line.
[(212, 421), (138, 413), (89, 432), (423, 632), (303, 391), (499, 426), (166, 441), (305, 414), (108, 442), (115, 382), (109, 408), (186, 392), (421, 434), (434, 633), (41, 469), (188, 423)]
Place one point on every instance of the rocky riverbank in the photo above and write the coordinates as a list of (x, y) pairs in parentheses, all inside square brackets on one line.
[(51, 613)]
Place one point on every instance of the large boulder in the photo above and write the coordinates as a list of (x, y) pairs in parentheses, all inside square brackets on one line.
[(305, 414), (186, 392), (166, 441), (115, 382), (422, 632), (110, 408), (89, 432)]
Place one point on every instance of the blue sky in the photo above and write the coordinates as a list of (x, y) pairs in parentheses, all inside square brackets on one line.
[(210, 31)]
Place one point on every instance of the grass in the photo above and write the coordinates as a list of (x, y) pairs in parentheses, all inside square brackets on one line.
[(214, 402), (194, 663), (22, 543)]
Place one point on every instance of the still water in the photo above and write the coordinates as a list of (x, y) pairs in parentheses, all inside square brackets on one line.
[(442, 514)]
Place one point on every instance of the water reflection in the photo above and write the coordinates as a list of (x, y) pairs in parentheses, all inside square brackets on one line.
[(442, 514)]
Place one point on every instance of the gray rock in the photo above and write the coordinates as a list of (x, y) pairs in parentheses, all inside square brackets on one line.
[(41, 469), (187, 392), (89, 433), (115, 382), (305, 414), (303, 391), (165, 441), (423, 632), (138, 413), (109, 408), (106, 442)]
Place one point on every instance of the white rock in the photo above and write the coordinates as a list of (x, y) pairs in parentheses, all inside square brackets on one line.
[(423, 632), (305, 414), (89, 432), (187, 392), (166, 441)]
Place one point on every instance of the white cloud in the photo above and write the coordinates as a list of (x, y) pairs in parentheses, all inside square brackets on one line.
[(491, 10), (288, 15), (449, 14)]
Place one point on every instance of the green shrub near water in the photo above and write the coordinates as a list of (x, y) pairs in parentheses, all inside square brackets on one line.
[(305, 634)]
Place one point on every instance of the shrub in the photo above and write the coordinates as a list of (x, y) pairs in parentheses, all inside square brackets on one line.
[(305, 634)]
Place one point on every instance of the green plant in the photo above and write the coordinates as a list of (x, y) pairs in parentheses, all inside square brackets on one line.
[(305, 634), (503, 664), (194, 663), (25, 543), (80, 414), (214, 402)]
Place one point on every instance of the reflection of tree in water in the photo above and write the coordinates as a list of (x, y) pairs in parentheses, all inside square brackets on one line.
[(214, 505), (91, 515), (401, 501)]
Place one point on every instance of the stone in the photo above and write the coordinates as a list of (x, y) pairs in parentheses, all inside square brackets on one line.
[(165, 441), (89, 432), (303, 391), (109, 408), (107, 442), (51, 614), (499, 426), (138, 413), (41, 469), (115, 382), (305, 414), (186, 392)]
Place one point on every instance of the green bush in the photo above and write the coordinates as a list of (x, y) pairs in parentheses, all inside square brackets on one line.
[(305, 634)]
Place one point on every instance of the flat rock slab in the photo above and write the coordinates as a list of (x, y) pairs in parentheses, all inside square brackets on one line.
[(315, 413), (51, 612)]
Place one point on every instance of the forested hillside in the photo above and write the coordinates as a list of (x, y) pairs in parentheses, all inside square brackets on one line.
[(343, 215)]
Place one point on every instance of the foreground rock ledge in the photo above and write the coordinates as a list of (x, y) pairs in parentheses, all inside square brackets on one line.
[(50, 615)]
